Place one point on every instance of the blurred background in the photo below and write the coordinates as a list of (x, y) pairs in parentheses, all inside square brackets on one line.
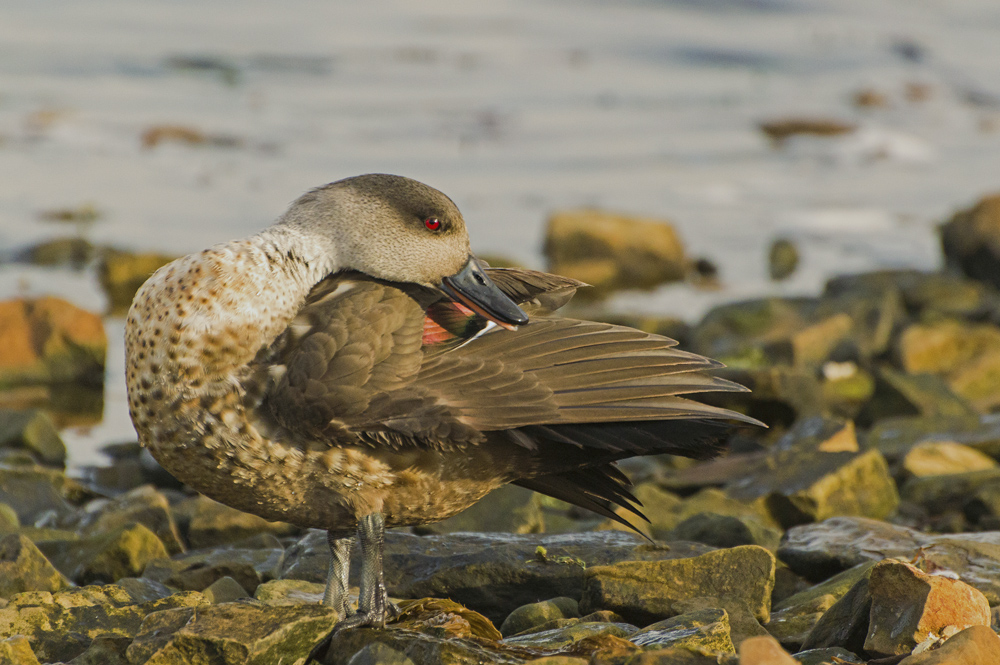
[(849, 130)]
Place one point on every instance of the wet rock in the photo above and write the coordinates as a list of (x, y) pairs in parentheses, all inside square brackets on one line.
[(62, 625), (225, 590), (491, 573), (764, 650), (845, 624), (9, 522), (73, 252), (703, 630), (107, 557), (727, 531), (977, 645), (794, 618), (742, 621), (800, 486), (17, 651), (818, 551), (954, 492), (534, 614), (682, 656), (965, 355), (781, 130), (431, 631), (933, 603), (748, 334), (944, 457), (381, 654), (645, 592), (243, 632), (509, 509), (48, 340), (34, 431), (143, 505), (611, 251), (666, 511), (779, 395), (121, 273), (104, 650), (142, 590), (820, 434), (827, 656), (158, 134), (782, 259), (289, 592), (899, 394), (894, 437), (198, 569), (36, 494), (870, 98), (210, 523), (131, 466), (971, 240), (562, 637), (24, 568), (786, 583)]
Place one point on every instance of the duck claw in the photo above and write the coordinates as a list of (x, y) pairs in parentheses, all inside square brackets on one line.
[(371, 619)]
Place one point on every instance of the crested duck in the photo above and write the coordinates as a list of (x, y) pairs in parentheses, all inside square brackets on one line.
[(354, 367)]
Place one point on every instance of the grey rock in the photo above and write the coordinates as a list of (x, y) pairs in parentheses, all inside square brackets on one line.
[(794, 618), (782, 258), (290, 592), (225, 590), (647, 591), (245, 632), (726, 531), (198, 569), (845, 624), (34, 431), (491, 573), (62, 625), (24, 568), (534, 614), (826, 656), (820, 550), (104, 650), (559, 638), (107, 557), (143, 505), (702, 629)]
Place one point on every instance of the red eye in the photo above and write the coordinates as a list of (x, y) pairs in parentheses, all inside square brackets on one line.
[(432, 223)]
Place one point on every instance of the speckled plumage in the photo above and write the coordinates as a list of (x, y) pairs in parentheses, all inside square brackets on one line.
[(328, 372)]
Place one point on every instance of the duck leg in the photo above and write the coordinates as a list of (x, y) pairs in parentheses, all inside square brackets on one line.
[(374, 607), (335, 595)]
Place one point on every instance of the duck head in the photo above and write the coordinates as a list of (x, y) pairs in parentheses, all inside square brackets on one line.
[(400, 230)]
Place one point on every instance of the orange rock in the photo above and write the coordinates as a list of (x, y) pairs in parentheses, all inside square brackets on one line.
[(764, 650), (909, 605), (977, 645), (48, 340)]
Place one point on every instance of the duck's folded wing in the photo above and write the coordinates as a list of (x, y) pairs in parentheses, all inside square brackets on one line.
[(552, 374), (354, 363)]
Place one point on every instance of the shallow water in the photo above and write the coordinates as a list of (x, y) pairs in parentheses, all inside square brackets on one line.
[(513, 108)]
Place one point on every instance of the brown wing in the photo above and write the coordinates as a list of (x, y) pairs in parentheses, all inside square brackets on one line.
[(353, 365)]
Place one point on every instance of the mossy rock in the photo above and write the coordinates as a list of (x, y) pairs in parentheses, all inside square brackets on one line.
[(647, 591), (24, 568), (706, 630)]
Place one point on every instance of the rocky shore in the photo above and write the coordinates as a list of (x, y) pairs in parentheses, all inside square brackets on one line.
[(862, 527)]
